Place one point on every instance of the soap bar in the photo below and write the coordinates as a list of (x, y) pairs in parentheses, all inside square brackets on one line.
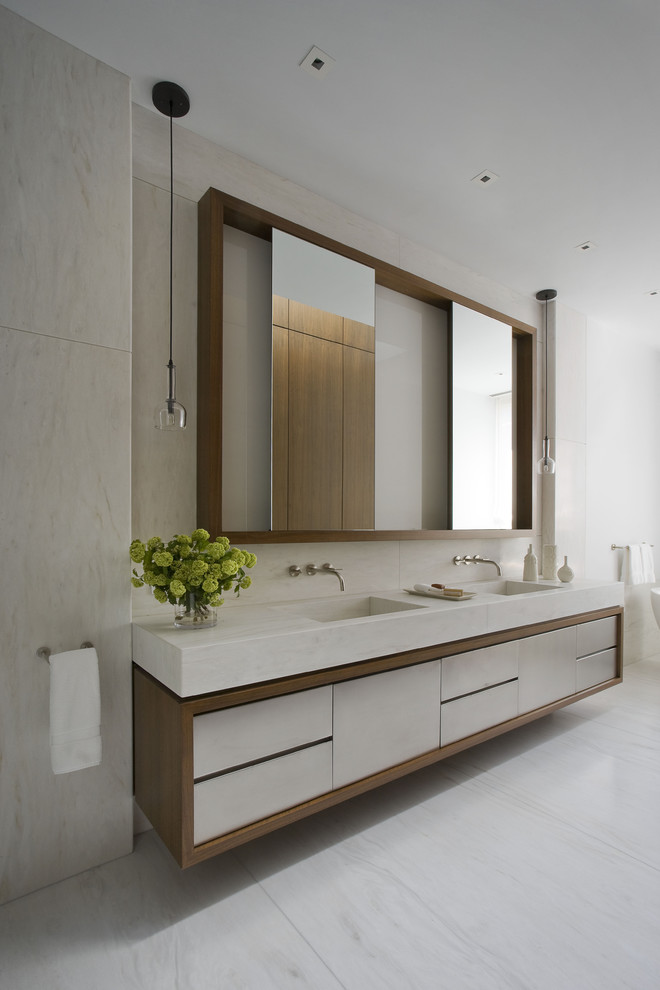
[(429, 589), (441, 586), (454, 592)]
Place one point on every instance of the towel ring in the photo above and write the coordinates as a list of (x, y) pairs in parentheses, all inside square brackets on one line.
[(44, 652)]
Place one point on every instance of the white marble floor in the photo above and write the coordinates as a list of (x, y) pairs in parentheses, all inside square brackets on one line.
[(531, 862)]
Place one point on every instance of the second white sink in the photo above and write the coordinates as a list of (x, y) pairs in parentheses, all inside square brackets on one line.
[(510, 587), (355, 607)]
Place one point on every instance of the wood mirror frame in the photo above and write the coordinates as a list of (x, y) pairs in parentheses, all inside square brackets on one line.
[(216, 209)]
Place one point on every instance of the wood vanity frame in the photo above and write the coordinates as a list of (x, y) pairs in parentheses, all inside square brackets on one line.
[(163, 735)]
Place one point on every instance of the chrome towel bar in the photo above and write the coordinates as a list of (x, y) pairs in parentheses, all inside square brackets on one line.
[(44, 652)]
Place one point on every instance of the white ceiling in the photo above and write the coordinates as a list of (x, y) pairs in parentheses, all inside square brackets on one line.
[(559, 99)]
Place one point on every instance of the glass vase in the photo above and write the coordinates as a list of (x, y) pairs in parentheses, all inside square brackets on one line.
[(191, 613)]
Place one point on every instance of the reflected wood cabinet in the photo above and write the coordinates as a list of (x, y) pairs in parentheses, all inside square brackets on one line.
[(215, 771), (323, 419)]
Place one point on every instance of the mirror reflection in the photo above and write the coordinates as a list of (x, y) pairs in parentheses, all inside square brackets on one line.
[(311, 430), (323, 388), (482, 366)]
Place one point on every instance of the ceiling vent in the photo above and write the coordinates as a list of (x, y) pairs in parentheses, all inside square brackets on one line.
[(485, 178), (317, 63), (585, 246)]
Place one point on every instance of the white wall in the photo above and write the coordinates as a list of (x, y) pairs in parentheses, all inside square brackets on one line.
[(65, 414), (623, 468), (567, 366)]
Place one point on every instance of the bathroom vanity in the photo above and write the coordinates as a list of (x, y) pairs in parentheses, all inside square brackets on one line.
[(286, 709)]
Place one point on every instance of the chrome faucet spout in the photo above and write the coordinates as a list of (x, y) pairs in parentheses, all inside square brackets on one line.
[(327, 569), (478, 559), (335, 570)]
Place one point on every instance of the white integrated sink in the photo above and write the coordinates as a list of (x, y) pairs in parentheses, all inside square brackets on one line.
[(510, 587), (354, 607)]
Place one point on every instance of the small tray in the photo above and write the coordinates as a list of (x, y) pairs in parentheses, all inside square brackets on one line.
[(439, 594)]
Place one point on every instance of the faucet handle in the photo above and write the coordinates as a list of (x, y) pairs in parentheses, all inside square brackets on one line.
[(331, 567)]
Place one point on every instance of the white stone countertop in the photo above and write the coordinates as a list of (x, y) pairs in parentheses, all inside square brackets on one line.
[(254, 643)]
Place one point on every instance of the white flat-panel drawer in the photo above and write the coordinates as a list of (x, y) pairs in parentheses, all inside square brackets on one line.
[(593, 637), (467, 672), (385, 719), (465, 716), (546, 668), (235, 736), (595, 669), (225, 803)]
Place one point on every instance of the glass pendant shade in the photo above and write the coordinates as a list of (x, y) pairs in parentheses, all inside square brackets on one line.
[(546, 465), (171, 415)]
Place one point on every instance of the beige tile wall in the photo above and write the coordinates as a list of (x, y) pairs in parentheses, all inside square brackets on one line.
[(65, 413)]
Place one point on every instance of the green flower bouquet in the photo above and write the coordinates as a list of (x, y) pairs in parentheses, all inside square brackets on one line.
[(191, 572)]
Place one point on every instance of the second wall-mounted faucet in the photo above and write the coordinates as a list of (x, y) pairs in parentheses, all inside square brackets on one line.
[(477, 559)]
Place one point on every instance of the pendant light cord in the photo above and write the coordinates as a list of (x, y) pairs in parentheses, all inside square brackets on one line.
[(545, 374), (171, 221), (172, 101)]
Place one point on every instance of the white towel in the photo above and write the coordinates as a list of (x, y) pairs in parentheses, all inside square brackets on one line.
[(648, 566), (631, 565), (75, 710)]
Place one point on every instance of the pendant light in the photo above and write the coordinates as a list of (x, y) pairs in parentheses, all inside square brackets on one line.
[(172, 101), (546, 465)]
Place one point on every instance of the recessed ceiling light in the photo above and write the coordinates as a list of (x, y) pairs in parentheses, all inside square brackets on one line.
[(485, 178), (316, 62), (585, 246), (653, 292)]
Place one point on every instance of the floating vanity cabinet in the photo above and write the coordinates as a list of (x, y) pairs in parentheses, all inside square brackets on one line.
[(479, 690), (385, 719), (215, 770)]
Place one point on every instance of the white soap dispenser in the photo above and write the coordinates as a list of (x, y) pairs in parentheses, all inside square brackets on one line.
[(530, 566)]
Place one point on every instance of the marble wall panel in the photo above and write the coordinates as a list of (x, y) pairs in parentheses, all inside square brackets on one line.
[(163, 463), (571, 505), (65, 120), (64, 518)]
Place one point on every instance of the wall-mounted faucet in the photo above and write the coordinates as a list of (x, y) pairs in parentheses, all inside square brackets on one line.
[(477, 559), (311, 569), (327, 569)]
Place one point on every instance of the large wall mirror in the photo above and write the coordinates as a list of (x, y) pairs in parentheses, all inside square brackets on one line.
[(340, 398)]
